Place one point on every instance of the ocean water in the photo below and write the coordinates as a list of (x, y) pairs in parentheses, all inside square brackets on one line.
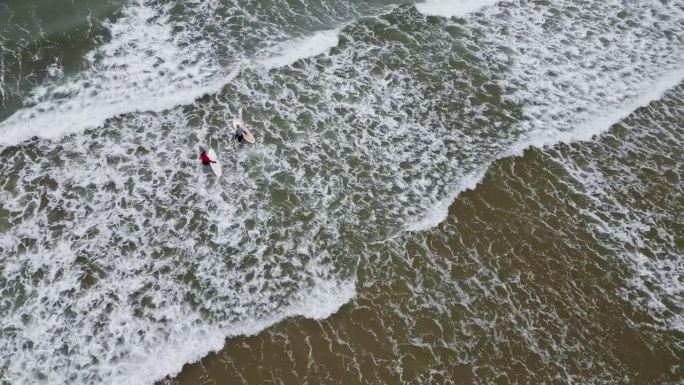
[(441, 192)]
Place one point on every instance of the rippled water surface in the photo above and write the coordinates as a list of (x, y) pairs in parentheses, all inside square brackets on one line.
[(389, 200)]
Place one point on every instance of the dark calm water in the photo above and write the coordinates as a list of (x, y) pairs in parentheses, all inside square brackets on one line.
[(351, 219)]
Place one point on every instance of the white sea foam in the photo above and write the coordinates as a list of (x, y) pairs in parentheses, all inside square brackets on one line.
[(296, 49), (185, 340), (603, 120), (2, 79), (143, 68), (134, 324), (192, 344), (566, 100), (624, 221), (440, 209), (451, 8), (370, 151)]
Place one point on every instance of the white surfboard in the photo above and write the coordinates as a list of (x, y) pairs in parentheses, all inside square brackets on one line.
[(215, 165), (249, 137)]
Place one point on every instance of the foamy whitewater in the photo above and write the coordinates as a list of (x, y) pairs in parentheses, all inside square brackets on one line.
[(125, 259), (143, 68), (451, 8), (625, 222)]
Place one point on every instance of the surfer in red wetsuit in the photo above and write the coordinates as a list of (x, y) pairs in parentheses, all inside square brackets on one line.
[(204, 157)]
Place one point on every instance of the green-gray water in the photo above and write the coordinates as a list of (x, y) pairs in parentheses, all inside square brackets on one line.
[(124, 259)]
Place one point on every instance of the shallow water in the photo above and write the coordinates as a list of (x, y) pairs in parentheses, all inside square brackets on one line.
[(123, 259), (561, 266)]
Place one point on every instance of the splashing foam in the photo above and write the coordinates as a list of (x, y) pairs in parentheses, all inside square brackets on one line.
[(309, 46), (132, 322), (183, 340), (440, 208), (452, 8), (145, 67), (129, 190), (622, 209), (651, 91), (195, 343), (141, 68), (565, 94), (2, 80)]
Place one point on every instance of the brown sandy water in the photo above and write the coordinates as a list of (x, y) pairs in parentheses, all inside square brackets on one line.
[(122, 258), (529, 280)]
